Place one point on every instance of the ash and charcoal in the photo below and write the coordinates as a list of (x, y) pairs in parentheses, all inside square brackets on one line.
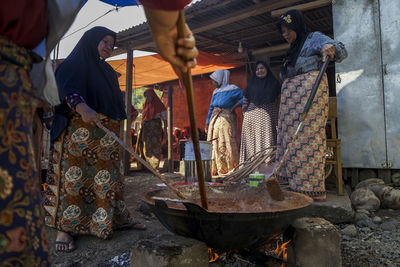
[(122, 260)]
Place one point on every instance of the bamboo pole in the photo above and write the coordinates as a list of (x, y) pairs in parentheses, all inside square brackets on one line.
[(187, 80)]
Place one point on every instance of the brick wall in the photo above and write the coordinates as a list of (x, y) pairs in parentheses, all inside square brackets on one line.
[(203, 89)]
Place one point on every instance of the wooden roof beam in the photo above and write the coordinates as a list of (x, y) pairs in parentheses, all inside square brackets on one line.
[(276, 49), (302, 7), (253, 10)]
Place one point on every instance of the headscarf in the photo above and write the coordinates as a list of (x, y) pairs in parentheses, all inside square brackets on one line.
[(294, 20), (151, 109), (262, 90), (83, 72), (221, 77)]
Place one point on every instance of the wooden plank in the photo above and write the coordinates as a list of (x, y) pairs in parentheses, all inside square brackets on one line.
[(128, 103), (385, 175), (217, 40), (302, 7), (253, 10), (354, 177), (271, 49)]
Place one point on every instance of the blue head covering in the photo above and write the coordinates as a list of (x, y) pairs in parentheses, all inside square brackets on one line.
[(83, 72)]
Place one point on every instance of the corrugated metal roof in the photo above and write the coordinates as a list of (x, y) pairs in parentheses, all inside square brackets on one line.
[(254, 31)]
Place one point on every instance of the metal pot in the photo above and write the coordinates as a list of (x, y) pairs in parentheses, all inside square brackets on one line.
[(223, 230)]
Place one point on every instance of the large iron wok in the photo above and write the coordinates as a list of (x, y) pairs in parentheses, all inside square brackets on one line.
[(224, 228)]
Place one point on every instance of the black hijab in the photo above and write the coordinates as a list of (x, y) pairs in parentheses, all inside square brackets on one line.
[(294, 20), (262, 90), (85, 73)]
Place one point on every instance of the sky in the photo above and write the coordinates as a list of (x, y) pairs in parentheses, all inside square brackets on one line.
[(124, 18)]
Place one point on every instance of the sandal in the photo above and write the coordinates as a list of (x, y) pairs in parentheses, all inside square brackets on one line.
[(67, 244)]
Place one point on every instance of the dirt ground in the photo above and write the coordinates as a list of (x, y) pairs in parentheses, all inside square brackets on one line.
[(374, 243), (92, 251)]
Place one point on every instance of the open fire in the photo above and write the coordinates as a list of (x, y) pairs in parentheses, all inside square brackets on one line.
[(281, 251), (267, 254), (212, 255)]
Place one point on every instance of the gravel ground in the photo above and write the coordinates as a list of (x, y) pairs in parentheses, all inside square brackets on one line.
[(374, 239)]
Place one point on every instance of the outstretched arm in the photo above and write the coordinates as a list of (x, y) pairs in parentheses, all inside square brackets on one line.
[(180, 53)]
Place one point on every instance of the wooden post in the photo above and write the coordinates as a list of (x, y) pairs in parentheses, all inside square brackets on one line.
[(128, 103), (170, 141)]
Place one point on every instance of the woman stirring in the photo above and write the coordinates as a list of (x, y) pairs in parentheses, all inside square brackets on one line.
[(304, 167), (84, 192)]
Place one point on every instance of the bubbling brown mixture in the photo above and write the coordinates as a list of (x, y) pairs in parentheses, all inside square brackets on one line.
[(234, 199)]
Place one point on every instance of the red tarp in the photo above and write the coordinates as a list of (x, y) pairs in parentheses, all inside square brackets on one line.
[(153, 69)]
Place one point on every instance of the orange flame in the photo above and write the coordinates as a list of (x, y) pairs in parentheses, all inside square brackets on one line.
[(44, 186), (281, 251), (212, 255)]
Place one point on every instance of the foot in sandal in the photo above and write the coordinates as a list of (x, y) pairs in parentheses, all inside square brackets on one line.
[(64, 242)]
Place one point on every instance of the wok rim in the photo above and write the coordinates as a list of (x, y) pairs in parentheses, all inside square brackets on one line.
[(148, 200)]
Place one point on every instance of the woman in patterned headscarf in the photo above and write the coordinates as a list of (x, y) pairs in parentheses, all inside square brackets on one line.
[(84, 192), (221, 122), (304, 167)]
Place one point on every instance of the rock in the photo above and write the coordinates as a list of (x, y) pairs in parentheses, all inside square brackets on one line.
[(360, 216), (366, 223), (366, 174), (336, 209), (346, 238), (173, 251), (317, 243), (363, 198), (363, 211), (369, 182), (145, 209), (390, 198), (396, 178), (388, 226), (350, 230), (377, 219), (373, 184)]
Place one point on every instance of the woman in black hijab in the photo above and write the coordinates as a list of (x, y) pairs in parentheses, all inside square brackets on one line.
[(84, 192), (260, 112), (304, 168)]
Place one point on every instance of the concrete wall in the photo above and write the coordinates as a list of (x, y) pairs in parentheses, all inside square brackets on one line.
[(368, 82)]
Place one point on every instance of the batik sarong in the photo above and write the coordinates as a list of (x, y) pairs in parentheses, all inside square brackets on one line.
[(150, 141), (304, 167), (258, 130), (22, 237), (84, 189), (222, 134)]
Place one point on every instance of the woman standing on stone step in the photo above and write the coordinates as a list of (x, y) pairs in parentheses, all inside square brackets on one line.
[(304, 168)]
